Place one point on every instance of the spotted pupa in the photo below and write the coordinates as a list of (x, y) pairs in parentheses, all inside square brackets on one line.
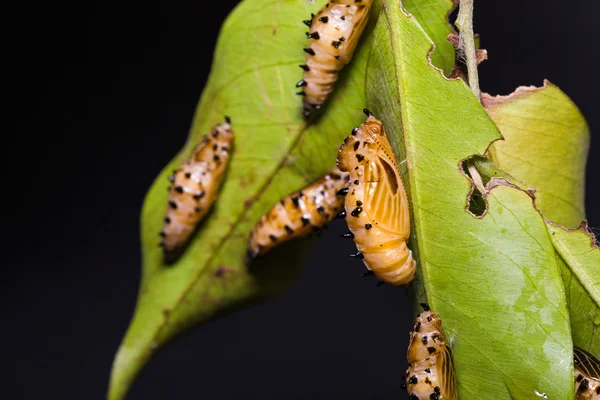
[(299, 213), (587, 375), (195, 185), (334, 33), (376, 205), (430, 374)]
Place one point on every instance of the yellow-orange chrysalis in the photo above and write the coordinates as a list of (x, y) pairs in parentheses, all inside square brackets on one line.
[(430, 374), (376, 204), (334, 33), (299, 213), (195, 186)]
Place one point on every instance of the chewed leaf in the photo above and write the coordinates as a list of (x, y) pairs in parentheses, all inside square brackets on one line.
[(433, 17), (494, 280), (581, 272), (545, 144)]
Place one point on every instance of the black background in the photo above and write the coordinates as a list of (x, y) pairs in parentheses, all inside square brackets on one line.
[(102, 94)]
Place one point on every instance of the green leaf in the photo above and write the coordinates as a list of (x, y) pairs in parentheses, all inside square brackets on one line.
[(580, 262), (433, 17), (546, 145), (495, 280)]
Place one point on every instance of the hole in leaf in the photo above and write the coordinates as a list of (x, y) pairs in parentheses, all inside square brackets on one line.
[(476, 204)]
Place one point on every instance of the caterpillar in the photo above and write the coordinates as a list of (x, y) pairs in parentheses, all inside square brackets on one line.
[(195, 185), (430, 374), (299, 213), (587, 375), (334, 33), (376, 206)]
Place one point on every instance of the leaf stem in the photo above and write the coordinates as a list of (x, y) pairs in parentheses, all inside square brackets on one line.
[(464, 23)]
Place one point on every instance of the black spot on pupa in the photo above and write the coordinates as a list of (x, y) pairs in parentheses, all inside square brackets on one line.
[(304, 67), (359, 203), (313, 35), (413, 380), (188, 175), (324, 19), (215, 133), (301, 83), (356, 145), (434, 396), (216, 158), (424, 339), (343, 18), (356, 212), (360, 157), (321, 210), (200, 195), (215, 146), (307, 22), (356, 182), (305, 221), (300, 94), (342, 192), (368, 226), (427, 370), (273, 238), (288, 229), (354, 130), (296, 201), (178, 189), (309, 51), (197, 209), (173, 205), (162, 234), (429, 319), (341, 214), (337, 57), (167, 220), (413, 397), (431, 350), (341, 39), (336, 44)]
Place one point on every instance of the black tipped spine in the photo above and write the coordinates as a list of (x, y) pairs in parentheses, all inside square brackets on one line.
[(367, 112)]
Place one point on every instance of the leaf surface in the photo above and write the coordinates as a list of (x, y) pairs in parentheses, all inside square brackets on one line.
[(495, 280), (546, 141)]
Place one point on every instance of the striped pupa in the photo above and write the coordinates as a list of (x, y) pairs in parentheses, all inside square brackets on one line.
[(376, 206), (299, 213), (334, 33), (195, 185), (430, 374)]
